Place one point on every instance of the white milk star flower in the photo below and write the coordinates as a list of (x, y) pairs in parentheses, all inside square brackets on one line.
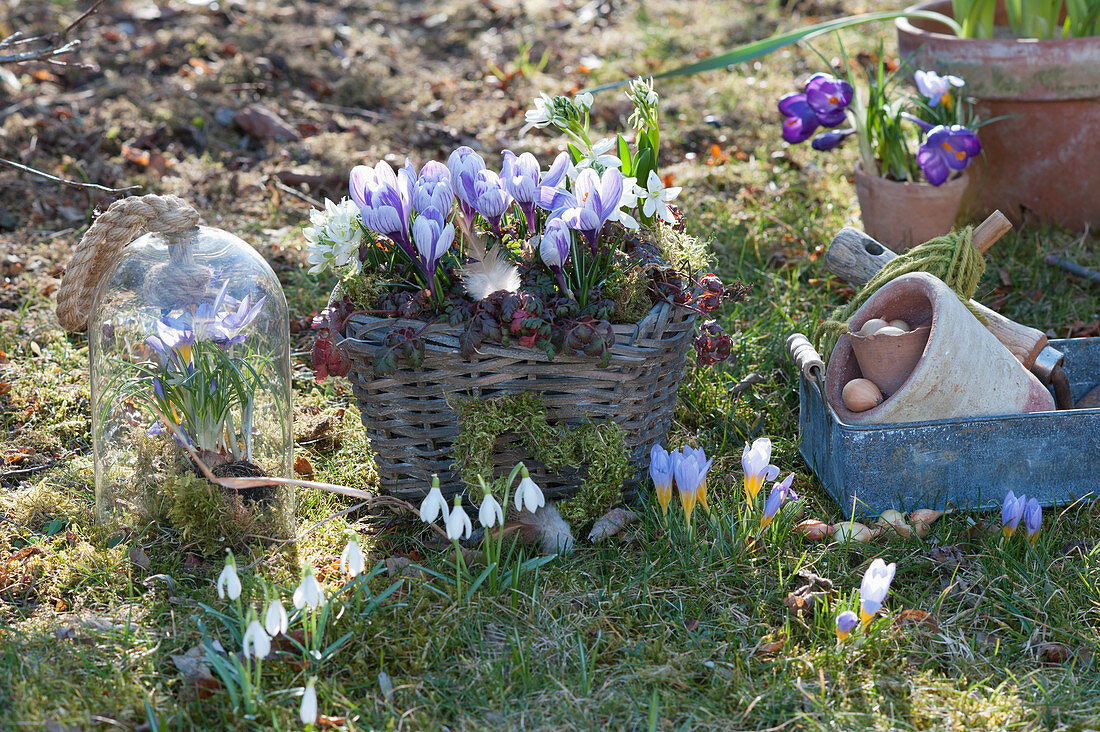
[(528, 494), (657, 198), (333, 236), (583, 101), (308, 711), (627, 203), (229, 584), (351, 559), (458, 522), (600, 157), (874, 588), (309, 593), (542, 115), (275, 619), (256, 642), (490, 514), (434, 504)]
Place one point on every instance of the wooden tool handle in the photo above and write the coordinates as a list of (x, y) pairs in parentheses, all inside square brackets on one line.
[(805, 357), (855, 257)]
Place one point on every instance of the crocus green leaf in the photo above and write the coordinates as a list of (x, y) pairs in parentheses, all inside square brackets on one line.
[(756, 49)]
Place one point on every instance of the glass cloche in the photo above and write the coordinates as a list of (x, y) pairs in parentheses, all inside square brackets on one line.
[(189, 345)]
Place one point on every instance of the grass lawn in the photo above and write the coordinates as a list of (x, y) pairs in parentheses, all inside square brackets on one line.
[(650, 630)]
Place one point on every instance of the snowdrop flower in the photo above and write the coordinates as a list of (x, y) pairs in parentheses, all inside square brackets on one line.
[(309, 593), (229, 584), (528, 494), (1012, 510), (1033, 520), (275, 619), (458, 522), (755, 461), (661, 470), (937, 88), (600, 156), (542, 115), (657, 198), (351, 559), (434, 504), (846, 622), (333, 236), (874, 588), (780, 493), (491, 513), (308, 711), (256, 642)]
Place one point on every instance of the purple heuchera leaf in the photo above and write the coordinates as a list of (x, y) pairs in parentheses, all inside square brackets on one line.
[(800, 120), (829, 98), (946, 149)]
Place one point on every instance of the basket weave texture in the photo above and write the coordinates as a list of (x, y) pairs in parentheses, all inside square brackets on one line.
[(412, 426)]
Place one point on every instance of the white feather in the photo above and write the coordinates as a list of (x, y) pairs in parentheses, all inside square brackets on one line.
[(487, 271), (545, 527)]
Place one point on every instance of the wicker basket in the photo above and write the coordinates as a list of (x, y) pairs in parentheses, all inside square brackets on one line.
[(412, 426)]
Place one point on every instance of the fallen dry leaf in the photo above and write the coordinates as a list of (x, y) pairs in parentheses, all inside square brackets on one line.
[(302, 466), (139, 558), (917, 617), (259, 121), (1051, 652), (611, 523)]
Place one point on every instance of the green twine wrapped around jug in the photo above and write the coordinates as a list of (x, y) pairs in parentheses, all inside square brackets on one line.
[(951, 257)]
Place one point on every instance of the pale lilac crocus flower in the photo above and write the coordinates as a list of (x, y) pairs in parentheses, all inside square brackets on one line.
[(596, 199), (700, 457), (846, 622), (520, 176), (874, 588), (935, 87), (755, 461), (490, 199), (1012, 510), (1033, 520), (662, 473), (559, 172), (689, 476)]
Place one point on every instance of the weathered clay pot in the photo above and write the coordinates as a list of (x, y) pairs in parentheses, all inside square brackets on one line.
[(964, 370), (901, 215), (888, 360), (1044, 159)]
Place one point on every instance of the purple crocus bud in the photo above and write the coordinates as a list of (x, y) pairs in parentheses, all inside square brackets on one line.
[(946, 149), (554, 250), (1012, 510), (829, 98), (490, 199), (800, 120), (780, 493), (464, 165), (521, 179), (433, 237), (1033, 520), (385, 201), (831, 138), (935, 87), (433, 188), (846, 622)]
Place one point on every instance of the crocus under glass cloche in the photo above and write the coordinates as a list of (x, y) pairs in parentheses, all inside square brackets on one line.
[(189, 354)]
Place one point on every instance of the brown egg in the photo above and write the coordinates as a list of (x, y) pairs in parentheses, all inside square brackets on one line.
[(859, 395), (873, 326)]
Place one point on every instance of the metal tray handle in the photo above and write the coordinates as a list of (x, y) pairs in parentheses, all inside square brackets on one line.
[(806, 357)]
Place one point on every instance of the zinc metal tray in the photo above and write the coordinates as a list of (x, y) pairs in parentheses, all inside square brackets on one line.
[(962, 463)]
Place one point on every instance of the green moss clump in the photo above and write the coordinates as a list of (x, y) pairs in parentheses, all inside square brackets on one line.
[(601, 447), (363, 288), (205, 515), (629, 289), (684, 251)]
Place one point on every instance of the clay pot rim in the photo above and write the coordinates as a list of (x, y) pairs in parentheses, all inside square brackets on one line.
[(959, 179), (905, 25), (918, 329)]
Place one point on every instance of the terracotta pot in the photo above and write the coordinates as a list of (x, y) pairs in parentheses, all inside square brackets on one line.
[(1045, 158), (900, 215), (888, 360), (964, 370)]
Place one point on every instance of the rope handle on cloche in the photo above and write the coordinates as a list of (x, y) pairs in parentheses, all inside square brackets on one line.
[(99, 248)]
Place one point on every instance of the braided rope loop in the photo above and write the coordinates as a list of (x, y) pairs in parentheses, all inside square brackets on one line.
[(98, 251)]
